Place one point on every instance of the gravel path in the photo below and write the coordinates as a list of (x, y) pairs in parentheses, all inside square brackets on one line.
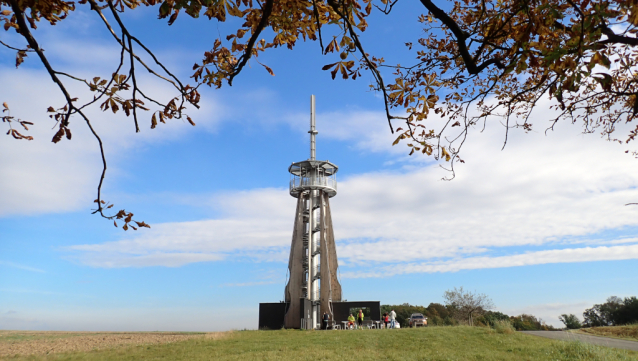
[(594, 340), (42, 343)]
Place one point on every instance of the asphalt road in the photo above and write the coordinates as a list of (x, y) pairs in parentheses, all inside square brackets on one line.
[(594, 340)]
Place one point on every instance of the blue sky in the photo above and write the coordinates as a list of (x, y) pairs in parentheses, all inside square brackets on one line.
[(540, 227)]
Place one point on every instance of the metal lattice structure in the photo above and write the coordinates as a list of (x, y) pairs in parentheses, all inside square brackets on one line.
[(313, 284)]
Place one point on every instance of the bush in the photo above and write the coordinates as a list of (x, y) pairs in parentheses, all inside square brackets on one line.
[(437, 314), (570, 321), (526, 322), (490, 317), (503, 326)]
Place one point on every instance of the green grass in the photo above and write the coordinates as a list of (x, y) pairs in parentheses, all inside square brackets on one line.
[(431, 343)]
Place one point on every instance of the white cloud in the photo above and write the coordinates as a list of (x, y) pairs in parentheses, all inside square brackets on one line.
[(568, 255), (21, 266), (258, 226), (549, 312), (556, 192), (41, 177), (553, 194)]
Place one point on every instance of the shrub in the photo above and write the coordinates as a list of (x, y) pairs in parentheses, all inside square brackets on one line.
[(526, 322), (570, 321), (490, 317), (503, 326)]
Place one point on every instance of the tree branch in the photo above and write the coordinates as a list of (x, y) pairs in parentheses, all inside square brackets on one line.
[(251, 43), (460, 36), (24, 31)]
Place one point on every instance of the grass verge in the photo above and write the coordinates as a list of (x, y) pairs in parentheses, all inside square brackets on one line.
[(628, 332)]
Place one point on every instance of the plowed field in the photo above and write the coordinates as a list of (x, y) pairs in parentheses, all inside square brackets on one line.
[(42, 343)]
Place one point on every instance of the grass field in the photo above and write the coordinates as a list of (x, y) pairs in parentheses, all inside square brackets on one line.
[(432, 343), (629, 332)]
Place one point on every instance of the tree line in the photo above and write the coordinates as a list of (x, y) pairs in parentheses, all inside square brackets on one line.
[(442, 315), (615, 312), (464, 308), (476, 309)]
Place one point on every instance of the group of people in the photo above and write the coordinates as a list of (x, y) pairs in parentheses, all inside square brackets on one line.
[(388, 319)]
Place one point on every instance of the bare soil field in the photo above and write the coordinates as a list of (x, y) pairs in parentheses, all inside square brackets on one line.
[(24, 343)]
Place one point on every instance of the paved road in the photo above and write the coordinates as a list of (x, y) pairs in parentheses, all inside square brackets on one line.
[(594, 340)]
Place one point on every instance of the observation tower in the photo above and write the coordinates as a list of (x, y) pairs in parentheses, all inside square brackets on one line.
[(313, 285)]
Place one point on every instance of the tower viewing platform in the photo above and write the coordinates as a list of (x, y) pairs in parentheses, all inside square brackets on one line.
[(313, 175)]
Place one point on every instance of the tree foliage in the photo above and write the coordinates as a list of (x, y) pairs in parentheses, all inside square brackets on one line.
[(467, 305), (436, 313), (570, 321), (616, 311), (475, 60)]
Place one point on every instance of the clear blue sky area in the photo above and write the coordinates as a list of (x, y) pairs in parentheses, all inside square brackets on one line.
[(541, 227)]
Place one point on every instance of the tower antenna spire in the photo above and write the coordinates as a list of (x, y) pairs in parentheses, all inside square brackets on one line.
[(312, 131)]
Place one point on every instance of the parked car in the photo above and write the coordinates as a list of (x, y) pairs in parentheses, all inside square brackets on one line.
[(417, 319)]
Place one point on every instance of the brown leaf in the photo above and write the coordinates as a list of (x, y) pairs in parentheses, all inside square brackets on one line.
[(326, 67), (68, 133), (268, 70), (20, 55), (58, 136), (5, 105), (173, 17), (190, 120), (334, 72), (142, 224), (125, 227)]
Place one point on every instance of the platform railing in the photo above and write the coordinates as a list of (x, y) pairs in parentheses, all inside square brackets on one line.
[(299, 182)]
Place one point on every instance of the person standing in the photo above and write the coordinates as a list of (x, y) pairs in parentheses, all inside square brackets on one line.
[(393, 317), (386, 320), (325, 319), (360, 319)]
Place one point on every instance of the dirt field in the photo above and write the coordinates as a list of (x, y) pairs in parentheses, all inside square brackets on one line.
[(42, 343)]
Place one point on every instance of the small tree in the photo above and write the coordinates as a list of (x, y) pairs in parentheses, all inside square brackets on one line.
[(467, 305), (570, 321)]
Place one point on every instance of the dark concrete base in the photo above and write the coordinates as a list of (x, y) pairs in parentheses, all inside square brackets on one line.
[(271, 315)]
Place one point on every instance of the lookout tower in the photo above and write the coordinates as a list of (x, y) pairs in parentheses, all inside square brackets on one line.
[(313, 285)]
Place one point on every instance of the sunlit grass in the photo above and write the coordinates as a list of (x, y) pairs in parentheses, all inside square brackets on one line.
[(628, 332), (431, 343)]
